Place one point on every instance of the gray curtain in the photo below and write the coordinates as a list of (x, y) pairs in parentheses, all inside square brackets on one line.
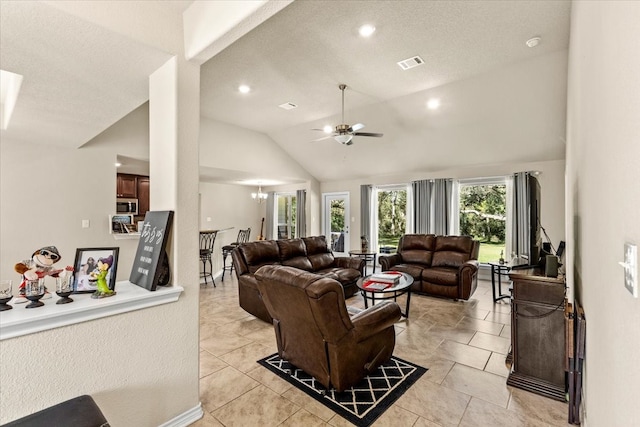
[(432, 203), (520, 234), (301, 214), (442, 192), (270, 208), (421, 205), (365, 211)]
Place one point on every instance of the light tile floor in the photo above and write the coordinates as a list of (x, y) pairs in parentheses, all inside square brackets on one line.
[(462, 343)]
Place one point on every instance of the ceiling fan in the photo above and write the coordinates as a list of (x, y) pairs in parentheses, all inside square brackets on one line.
[(344, 133)]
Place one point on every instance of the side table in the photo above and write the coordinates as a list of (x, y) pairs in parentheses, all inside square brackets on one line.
[(498, 270), (367, 256)]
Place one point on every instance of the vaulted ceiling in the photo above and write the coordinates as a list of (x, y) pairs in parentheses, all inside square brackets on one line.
[(81, 78)]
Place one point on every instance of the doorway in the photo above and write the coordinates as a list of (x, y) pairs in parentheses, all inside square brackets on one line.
[(335, 224)]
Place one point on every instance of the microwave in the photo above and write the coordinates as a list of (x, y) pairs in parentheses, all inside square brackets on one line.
[(127, 206)]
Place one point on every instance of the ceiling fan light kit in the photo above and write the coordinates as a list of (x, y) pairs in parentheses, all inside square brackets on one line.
[(343, 139)]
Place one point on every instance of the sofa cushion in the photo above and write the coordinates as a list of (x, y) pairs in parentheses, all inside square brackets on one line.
[(301, 262), (452, 251), (342, 275), (441, 275), (319, 254), (321, 261), (260, 253), (417, 248), (413, 270), (315, 245), (291, 248)]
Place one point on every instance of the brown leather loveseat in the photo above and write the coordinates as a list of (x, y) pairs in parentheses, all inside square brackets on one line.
[(444, 266), (308, 253), (315, 332)]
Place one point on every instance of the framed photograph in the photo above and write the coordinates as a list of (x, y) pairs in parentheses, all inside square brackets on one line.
[(89, 263)]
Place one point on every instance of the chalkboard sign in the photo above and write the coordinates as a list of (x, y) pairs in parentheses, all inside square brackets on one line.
[(147, 271)]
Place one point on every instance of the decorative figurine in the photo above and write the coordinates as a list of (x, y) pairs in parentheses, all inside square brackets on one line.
[(364, 243), (103, 291), (39, 266), (501, 261)]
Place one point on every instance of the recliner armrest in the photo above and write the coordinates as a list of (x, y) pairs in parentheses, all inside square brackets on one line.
[(472, 264), (387, 262), (375, 319)]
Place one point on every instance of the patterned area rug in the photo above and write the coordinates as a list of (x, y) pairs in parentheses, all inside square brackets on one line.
[(361, 404)]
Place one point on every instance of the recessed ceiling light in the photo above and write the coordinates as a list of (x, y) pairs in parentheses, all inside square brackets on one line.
[(327, 129), (366, 30), (118, 164), (534, 41), (244, 89), (433, 104)]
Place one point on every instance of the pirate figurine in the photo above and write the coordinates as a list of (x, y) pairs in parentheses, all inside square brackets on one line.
[(39, 266)]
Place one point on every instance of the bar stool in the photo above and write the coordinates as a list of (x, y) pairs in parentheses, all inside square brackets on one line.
[(243, 237), (207, 239)]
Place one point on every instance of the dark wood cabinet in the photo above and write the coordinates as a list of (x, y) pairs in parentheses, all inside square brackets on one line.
[(538, 333), (143, 195), (127, 186)]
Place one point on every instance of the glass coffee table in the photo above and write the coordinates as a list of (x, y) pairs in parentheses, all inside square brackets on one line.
[(392, 292)]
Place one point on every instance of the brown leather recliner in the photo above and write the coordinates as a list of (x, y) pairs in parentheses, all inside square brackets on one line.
[(314, 331), (445, 266)]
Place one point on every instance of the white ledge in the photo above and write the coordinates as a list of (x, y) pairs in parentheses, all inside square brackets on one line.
[(126, 236), (129, 297)]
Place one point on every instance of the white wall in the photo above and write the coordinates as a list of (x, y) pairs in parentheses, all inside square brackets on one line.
[(45, 192), (242, 149), (228, 205), (603, 172), (551, 181)]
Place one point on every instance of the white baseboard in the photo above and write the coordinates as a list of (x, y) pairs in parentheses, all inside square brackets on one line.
[(186, 418)]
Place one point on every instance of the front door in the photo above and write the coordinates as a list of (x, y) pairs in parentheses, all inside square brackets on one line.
[(336, 222)]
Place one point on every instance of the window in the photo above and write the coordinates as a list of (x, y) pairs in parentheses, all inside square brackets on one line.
[(392, 217), (286, 215), (483, 214)]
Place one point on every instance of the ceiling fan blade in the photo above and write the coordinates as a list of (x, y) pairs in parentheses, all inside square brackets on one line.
[(321, 139), (357, 127), (377, 135)]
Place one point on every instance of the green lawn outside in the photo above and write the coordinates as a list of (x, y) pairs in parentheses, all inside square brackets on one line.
[(490, 252)]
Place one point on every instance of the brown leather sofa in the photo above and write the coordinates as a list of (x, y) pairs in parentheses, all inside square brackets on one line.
[(444, 266), (315, 332), (308, 254)]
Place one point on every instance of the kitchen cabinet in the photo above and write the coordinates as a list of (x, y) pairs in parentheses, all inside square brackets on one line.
[(143, 195), (127, 186)]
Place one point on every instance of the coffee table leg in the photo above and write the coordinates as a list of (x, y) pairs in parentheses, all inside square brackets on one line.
[(408, 304), (364, 295)]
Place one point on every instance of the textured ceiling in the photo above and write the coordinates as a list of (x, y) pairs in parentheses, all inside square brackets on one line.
[(301, 55), (304, 52), (81, 78)]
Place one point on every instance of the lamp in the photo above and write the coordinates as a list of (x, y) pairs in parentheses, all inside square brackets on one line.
[(343, 139), (259, 196)]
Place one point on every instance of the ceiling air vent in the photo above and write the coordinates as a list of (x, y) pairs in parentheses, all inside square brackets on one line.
[(288, 106), (411, 62)]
